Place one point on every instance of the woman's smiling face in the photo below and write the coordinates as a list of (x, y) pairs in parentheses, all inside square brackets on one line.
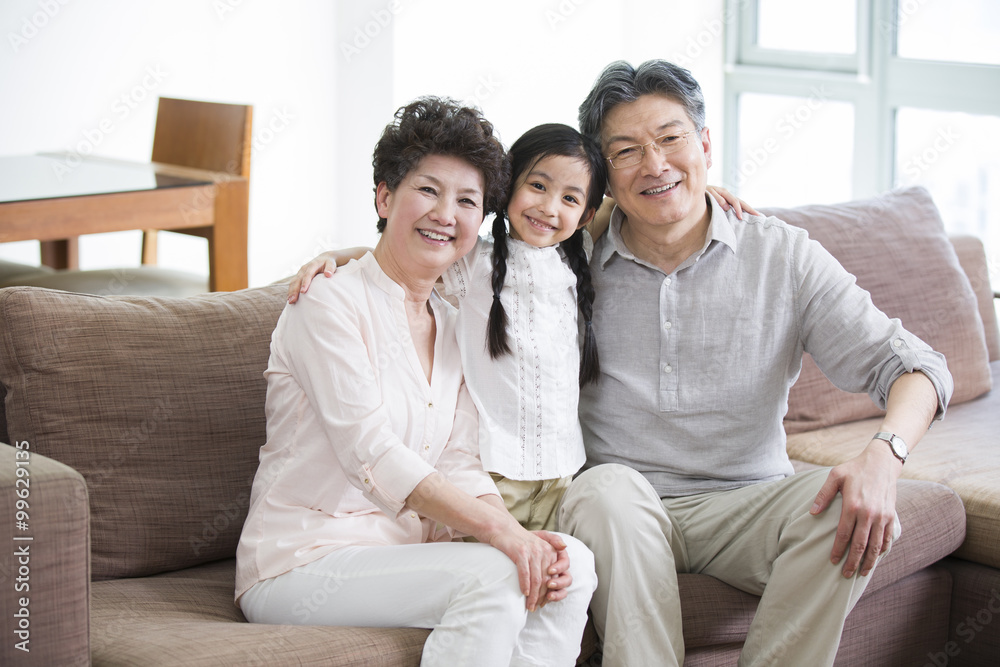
[(433, 216)]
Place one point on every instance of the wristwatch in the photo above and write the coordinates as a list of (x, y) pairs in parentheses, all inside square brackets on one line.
[(896, 444)]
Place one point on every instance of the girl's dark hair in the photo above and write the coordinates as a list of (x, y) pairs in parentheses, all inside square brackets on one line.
[(441, 126), (534, 145)]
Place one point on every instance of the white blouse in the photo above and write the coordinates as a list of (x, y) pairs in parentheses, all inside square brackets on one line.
[(353, 426), (527, 400)]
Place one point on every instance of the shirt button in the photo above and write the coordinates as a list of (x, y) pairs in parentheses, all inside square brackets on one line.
[(667, 368), (430, 405), (366, 480), (667, 282), (898, 342), (412, 515), (667, 325), (427, 446)]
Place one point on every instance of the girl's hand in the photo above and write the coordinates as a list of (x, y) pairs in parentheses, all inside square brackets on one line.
[(326, 264), (299, 284), (728, 200)]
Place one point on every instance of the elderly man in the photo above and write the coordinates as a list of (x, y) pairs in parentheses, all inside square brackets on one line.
[(702, 320)]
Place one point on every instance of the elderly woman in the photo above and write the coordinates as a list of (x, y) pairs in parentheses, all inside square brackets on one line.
[(370, 475)]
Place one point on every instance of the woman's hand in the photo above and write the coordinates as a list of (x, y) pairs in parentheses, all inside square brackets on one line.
[(535, 557), (559, 576), (728, 200)]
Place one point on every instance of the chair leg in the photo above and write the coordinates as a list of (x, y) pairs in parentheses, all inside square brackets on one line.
[(149, 247), (62, 254)]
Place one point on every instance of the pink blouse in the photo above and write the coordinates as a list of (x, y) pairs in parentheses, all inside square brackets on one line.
[(353, 426)]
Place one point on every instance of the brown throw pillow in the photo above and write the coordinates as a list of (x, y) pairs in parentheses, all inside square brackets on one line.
[(158, 402), (897, 248)]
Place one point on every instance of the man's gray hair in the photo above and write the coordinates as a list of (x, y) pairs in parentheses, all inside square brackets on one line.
[(620, 83)]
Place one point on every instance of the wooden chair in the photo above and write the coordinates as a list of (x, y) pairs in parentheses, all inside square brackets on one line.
[(201, 135)]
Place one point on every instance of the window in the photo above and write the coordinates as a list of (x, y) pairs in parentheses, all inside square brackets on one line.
[(884, 93)]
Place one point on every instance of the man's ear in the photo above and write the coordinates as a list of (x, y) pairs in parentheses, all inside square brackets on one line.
[(382, 197), (706, 144)]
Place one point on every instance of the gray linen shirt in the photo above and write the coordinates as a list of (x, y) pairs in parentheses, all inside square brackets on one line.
[(696, 365)]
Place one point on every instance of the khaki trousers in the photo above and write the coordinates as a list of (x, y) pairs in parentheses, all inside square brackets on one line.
[(760, 539), (532, 502)]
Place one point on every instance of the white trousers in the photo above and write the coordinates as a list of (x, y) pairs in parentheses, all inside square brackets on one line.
[(467, 593), (760, 539)]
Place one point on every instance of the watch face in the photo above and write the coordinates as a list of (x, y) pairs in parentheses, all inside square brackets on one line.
[(899, 447)]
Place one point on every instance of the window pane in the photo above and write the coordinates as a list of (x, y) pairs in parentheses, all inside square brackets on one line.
[(794, 150), (965, 31), (956, 156), (818, 26)]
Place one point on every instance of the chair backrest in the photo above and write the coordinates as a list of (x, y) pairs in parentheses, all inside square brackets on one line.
[(203, 135)]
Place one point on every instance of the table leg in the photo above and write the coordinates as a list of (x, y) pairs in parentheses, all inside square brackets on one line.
[(227, 245)]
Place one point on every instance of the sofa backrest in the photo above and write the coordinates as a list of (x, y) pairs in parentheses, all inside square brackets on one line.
[(896, 246), (158, 402), (972, 256)]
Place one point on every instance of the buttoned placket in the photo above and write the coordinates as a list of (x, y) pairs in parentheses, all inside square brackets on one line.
[(668, 344)]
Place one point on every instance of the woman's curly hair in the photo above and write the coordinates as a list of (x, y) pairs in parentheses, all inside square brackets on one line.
[(441, 126)]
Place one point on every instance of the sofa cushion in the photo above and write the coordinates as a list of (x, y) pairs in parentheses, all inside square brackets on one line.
[(896, 246), (158, 402), (960, 452)]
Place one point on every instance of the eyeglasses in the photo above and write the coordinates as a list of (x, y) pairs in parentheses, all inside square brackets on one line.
[(663, 145)]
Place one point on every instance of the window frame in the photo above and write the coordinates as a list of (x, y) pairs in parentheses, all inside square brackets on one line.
[(874, 79)]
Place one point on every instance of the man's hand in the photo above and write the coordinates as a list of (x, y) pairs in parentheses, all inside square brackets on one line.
[(868, 486)]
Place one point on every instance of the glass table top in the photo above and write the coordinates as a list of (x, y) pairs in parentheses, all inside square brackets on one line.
[(51, 176)]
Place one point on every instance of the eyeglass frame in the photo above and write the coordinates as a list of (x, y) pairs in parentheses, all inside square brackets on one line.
[(642, 148)]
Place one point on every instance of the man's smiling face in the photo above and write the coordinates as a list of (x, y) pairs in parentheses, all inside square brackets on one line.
[(661, 189)]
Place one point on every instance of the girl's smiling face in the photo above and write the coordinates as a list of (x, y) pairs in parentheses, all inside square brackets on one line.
[(550, 201)]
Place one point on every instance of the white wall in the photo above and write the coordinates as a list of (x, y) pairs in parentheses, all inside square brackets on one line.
[(324, 78)]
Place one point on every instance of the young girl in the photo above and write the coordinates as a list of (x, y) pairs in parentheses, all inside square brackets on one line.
[(521, 298)]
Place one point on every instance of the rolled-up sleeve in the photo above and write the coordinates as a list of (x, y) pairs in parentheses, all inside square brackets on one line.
[(857, 346)]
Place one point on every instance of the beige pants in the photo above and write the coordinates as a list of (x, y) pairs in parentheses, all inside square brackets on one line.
[(532, 502), (760, 539)]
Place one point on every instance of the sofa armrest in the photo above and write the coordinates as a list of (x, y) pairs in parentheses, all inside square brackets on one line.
[(45, 564), (932, 518)]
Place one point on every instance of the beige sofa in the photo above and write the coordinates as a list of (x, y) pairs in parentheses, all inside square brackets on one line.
[(138, 421)]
